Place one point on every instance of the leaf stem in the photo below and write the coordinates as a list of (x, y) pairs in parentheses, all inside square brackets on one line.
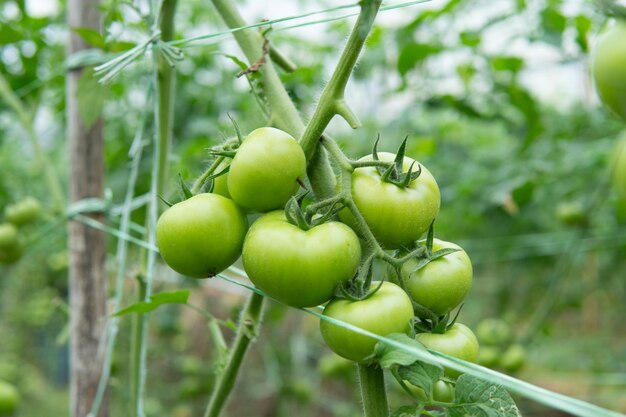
[(373, 391), (246, 332)]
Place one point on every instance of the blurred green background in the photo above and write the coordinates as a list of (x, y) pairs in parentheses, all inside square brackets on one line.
[(497, 102)]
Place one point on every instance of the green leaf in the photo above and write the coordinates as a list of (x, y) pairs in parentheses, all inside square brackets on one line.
[(174, 297), (553, 24), (414, 54), (389, 356), (477, 397), (91, 37), (470, 39), (582, 24), (91, 97), (422, 375), (507, 63), (9, 34), (405, 411)]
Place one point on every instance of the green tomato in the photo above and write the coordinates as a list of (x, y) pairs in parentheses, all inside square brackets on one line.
[(489, 356), (443, 391), (333, 365), (609, 67), (387, 311), (571, 213), (265, 171), (397, 216), (442, 284), (220, 185), (458, 341), (201, 236), (493, 331), (618, 167), (513, 358), (23, 212), (297, 267), (12, 254), (9, 399), (8, 236)]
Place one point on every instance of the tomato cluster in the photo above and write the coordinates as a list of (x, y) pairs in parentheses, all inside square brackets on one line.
[(304, 254), (498, 348)]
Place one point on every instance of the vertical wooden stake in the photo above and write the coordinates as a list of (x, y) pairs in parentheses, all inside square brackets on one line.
[(88, 281)]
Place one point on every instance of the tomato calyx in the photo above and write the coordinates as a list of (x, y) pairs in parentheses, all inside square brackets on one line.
[(394, 174), (438, 325), (308, 219), (428, 255)]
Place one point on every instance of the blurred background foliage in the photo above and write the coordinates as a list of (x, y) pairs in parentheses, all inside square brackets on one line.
[(497, 102)]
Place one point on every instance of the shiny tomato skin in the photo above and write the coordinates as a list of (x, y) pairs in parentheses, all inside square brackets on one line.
[(9, 399), (609, 67), (266, 169), (201, 236), (618, 167), (397, 216), (387, 311), (23, 211), (442, 284), (458, 341), (297, 267)]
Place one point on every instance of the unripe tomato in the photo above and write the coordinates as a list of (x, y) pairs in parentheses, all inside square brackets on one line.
[(571, 213), (23, 212), (442, 391), (221, 183), (332, 365), (387, 311), (618, 167), (397, 216), (458, 341), (8, 236), (609, 67), (9, 399), (493, 331), (489, 356), (265, 171), (297, 267), (12, 254), (513, 358), (442, 284), (201, 236)]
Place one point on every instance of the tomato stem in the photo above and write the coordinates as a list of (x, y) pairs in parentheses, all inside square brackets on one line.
[(246, 331), (373, 391)]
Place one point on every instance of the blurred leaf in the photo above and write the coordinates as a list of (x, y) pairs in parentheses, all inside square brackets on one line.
[(553, 24), (415, 53), (174, 297), (507, 63), (9, 35), (466, 72), (470, 39), (91, 97), (91, 36), (524, 193), (583, 25)]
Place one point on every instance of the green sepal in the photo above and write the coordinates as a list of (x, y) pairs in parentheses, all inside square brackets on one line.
[(221, 152), (237, 130), (167, 203), (294, 214), (187, 194)]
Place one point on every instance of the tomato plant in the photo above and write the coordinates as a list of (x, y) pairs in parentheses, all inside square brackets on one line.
[(23, 212), (458, 341), (300, 268), (201, 236), (388, 310), (266, 169), (397, 216), (609, 66), (441, 284), (9, 399)]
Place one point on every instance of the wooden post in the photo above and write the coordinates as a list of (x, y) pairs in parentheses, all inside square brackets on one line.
[(88, 281)]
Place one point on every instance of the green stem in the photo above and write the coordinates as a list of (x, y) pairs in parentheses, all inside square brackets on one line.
[(26, 120), (373, 391), (135, 347), (332, 99), (199, 183), (246, 332)]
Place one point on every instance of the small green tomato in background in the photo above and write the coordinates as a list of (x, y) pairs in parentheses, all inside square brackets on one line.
[(608, 59), (12, 254), (458, 341), (387, 311), (513, 358), (23, 211), (442, 284), (265, 171), (8, 236), (201, 236), (571, 213), (397, 216), (493, 331), (489, 356), (300, 268), (9, 399)]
